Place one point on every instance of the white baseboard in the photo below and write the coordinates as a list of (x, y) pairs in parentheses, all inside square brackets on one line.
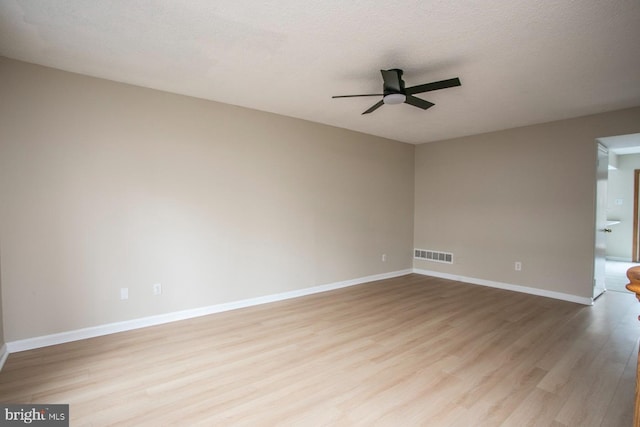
[(4, 353), (508, 287), (617, 258), (96, 331)]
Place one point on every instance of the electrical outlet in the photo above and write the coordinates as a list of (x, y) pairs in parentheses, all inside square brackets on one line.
[(518, 266), (124, 293), (157, 288), (384, 257)]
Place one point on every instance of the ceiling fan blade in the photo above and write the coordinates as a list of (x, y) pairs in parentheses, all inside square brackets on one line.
[(374, 107), (442, 84), (417, 102), (354, 96), (392, 80)]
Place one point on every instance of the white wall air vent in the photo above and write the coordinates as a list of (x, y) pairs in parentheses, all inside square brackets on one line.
[(435, 256)]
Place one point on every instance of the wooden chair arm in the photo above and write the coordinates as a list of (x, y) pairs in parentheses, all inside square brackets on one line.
[(633, 274)]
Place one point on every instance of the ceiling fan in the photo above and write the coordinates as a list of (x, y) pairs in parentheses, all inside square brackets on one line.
[(394, 92)]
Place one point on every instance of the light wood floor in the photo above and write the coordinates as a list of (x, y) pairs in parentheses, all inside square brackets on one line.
[(410, 351)]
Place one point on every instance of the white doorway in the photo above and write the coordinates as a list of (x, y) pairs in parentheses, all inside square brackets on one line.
[(599, 273), (621, 211)]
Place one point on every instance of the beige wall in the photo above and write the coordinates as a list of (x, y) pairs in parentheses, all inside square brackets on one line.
[(523, 194), (620, 240), (2, 341), (105, 185)]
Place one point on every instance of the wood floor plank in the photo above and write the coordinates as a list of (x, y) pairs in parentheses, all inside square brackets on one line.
[(622, 403), (406, 351)]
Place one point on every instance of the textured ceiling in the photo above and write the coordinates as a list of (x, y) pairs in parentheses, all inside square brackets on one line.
[(520, 61)]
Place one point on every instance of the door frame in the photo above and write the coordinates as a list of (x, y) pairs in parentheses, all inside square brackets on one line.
[(636, 189), (601, 166)]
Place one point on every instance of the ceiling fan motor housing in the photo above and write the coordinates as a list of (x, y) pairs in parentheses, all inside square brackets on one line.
[(393, 82)]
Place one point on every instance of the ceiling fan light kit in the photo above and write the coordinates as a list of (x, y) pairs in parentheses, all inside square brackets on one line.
[(394, 98), (394, 91)]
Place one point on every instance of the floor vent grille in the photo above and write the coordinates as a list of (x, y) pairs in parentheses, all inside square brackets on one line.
[(435, 256)]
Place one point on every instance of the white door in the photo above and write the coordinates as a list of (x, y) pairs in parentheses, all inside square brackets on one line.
[(602, 175)]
